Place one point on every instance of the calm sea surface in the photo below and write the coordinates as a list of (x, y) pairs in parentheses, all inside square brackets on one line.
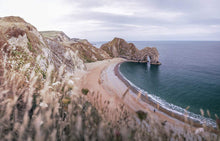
[(189, 75)]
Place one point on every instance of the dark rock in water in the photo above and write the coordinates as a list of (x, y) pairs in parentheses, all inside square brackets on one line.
[(120, 48)]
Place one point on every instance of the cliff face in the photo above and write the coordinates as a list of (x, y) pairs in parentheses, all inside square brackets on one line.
[(89, 53), (86, 51), (21, 43), (120, 48)]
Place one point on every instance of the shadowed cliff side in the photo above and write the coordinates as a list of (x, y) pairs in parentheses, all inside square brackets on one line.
[(86, 51), (120, 48)]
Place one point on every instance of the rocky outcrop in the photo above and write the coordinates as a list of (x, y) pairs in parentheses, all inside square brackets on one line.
[(120, 48), (21, 43), (86, 51)]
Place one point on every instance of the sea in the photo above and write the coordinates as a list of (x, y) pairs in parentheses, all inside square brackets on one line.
[(188, 79)]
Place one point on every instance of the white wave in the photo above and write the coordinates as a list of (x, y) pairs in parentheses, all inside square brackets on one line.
[(171, 107)]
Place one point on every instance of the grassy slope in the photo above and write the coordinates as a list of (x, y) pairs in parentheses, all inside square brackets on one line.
[(49, 107)]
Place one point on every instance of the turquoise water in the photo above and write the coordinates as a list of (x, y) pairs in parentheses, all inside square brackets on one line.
[(189, 76)]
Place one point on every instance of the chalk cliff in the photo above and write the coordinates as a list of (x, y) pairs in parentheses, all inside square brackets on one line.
[(21, 44), (120, 48)]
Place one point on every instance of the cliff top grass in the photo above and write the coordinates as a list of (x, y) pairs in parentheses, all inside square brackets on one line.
[(51, 33)]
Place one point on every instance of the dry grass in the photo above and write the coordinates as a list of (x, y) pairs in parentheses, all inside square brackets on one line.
[(34, 108)]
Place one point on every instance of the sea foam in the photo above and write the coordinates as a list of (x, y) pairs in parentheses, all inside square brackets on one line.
[(171, 107)]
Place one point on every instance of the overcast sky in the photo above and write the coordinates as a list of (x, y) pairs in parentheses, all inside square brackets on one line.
[(102, 20)]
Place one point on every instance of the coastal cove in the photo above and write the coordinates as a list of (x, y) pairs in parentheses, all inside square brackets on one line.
[(181, 80), (110, 70), (55, 87), (101, 79)]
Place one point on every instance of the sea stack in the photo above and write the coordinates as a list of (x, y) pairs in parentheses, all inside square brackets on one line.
[(120, 48)]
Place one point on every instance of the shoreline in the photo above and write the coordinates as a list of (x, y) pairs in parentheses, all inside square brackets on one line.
[(156, 105), (104, 84)]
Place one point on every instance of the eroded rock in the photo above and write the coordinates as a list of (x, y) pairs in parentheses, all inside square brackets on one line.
[(120, 48), (21, 43), (86, 51)]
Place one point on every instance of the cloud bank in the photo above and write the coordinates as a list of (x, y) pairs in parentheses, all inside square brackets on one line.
[(100, 20)]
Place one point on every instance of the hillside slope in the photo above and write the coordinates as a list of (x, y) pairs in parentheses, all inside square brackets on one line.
[(21, 44), (44, 97), (86, 51)]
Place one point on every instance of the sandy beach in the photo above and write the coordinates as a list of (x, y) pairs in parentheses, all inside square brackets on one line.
[(101, 80)]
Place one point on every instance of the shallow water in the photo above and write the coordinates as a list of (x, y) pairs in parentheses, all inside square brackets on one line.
[(189, 75)]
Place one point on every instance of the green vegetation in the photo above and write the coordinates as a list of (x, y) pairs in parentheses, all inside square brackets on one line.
[(84, 91), (30, 46), (43, 106), (43, 74), (49, 34), (86, 58), (48, 109), (37, 69), (141, 115), (66, 100), (20, 58)]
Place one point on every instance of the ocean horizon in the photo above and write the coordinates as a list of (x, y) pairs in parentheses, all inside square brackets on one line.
[(150, 43), (188, 77), (110, 70)]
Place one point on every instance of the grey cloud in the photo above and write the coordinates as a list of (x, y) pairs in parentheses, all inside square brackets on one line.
[(133, 19), (88, 3), (114, 20), (202, 13), (194, 11)]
